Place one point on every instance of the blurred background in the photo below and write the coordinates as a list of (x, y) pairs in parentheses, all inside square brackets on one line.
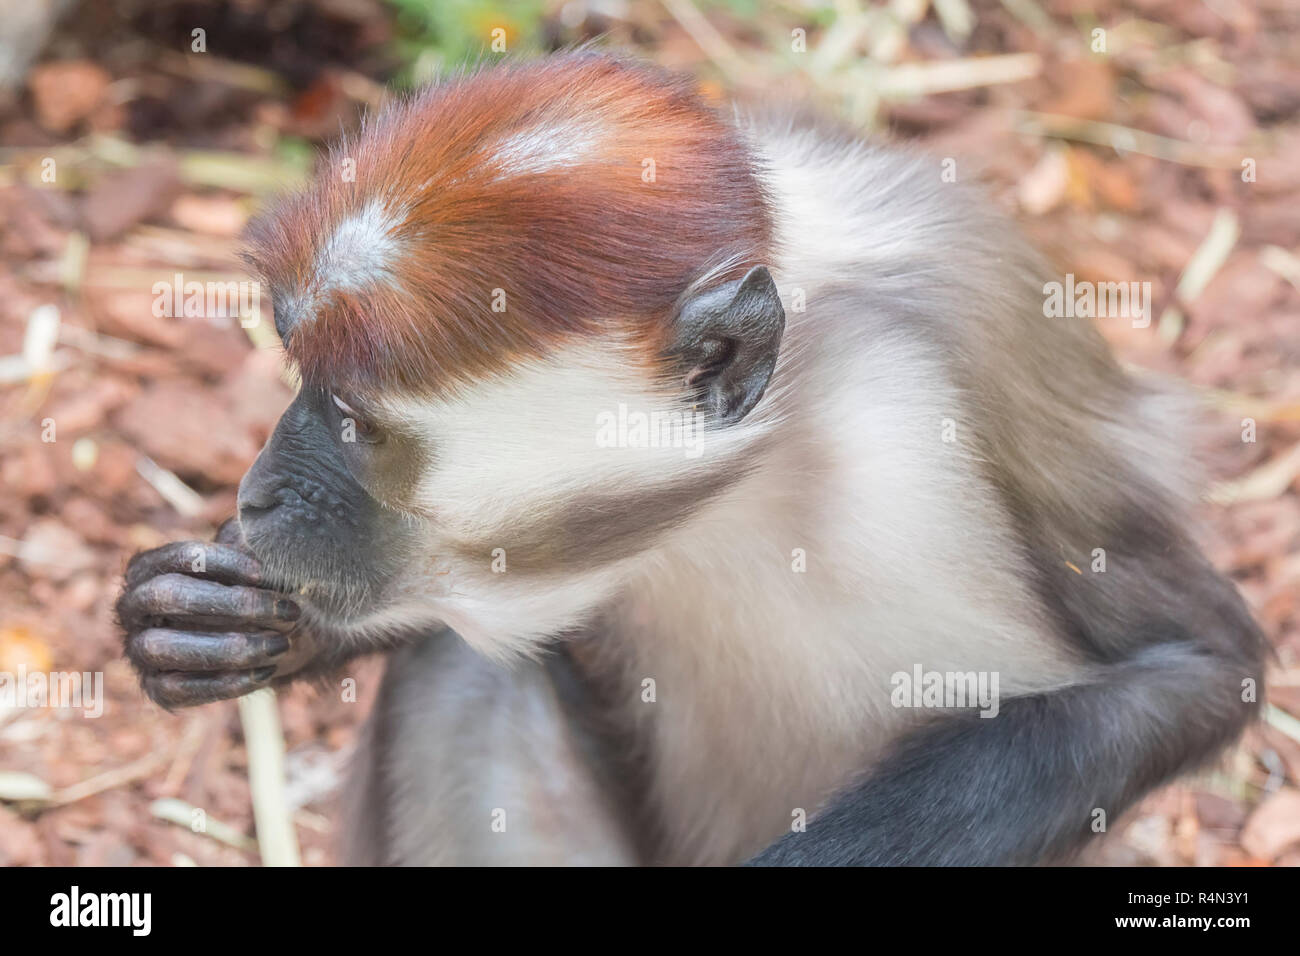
[(1157, 140)]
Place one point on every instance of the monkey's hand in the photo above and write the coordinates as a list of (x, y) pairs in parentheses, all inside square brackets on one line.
[(201, 626)]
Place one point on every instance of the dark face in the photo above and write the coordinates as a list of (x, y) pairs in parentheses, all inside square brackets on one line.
[(307, 517)]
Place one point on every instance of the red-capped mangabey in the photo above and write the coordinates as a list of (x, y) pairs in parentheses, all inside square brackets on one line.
[(616, 638)]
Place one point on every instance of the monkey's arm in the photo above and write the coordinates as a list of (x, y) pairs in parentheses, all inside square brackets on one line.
[(201, 625), (1024, 786)]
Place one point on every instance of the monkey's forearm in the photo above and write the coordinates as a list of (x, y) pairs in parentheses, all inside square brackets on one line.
[(1033, 782)]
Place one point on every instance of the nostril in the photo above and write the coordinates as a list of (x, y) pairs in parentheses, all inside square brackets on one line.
[(255, 500), (248, 510)]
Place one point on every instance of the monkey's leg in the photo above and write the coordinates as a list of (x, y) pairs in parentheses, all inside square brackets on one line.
[(468, 762), (1024, 786)]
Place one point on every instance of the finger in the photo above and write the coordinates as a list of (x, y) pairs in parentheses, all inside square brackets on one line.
[(172, 690), (175, 597), (160, 649), (205, 559)]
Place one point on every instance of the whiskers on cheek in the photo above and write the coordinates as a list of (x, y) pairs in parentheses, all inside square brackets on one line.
[(318, 580)]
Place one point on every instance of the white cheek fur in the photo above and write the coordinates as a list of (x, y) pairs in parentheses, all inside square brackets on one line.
[(515, 448)]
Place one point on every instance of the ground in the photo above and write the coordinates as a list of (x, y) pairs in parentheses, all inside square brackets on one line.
[(1153, 142)]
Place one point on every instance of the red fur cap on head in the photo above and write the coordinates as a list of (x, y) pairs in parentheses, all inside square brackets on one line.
[(526, 179)]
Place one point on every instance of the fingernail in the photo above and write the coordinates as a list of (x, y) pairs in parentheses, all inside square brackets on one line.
[(287, 610), (263, 674), (276, 644)]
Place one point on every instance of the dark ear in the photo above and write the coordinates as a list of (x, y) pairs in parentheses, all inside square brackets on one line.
[(727, 339)]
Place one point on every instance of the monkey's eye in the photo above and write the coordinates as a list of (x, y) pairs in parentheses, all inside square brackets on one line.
[(363, 428)]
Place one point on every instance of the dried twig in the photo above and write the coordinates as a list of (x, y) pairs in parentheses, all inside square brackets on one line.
[(1124, 139), (1267, 481), (1200, 269), (1280, 719), (265, 744), (110, 779), (182, 814), (191, 741), (175, 492), (910, 80)]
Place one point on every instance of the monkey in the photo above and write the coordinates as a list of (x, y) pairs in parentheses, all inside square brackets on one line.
[(869, 453)]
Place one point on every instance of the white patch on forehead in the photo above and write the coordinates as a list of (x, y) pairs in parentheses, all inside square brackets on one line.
[(358, 254), (360, 251), (543, 148)]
